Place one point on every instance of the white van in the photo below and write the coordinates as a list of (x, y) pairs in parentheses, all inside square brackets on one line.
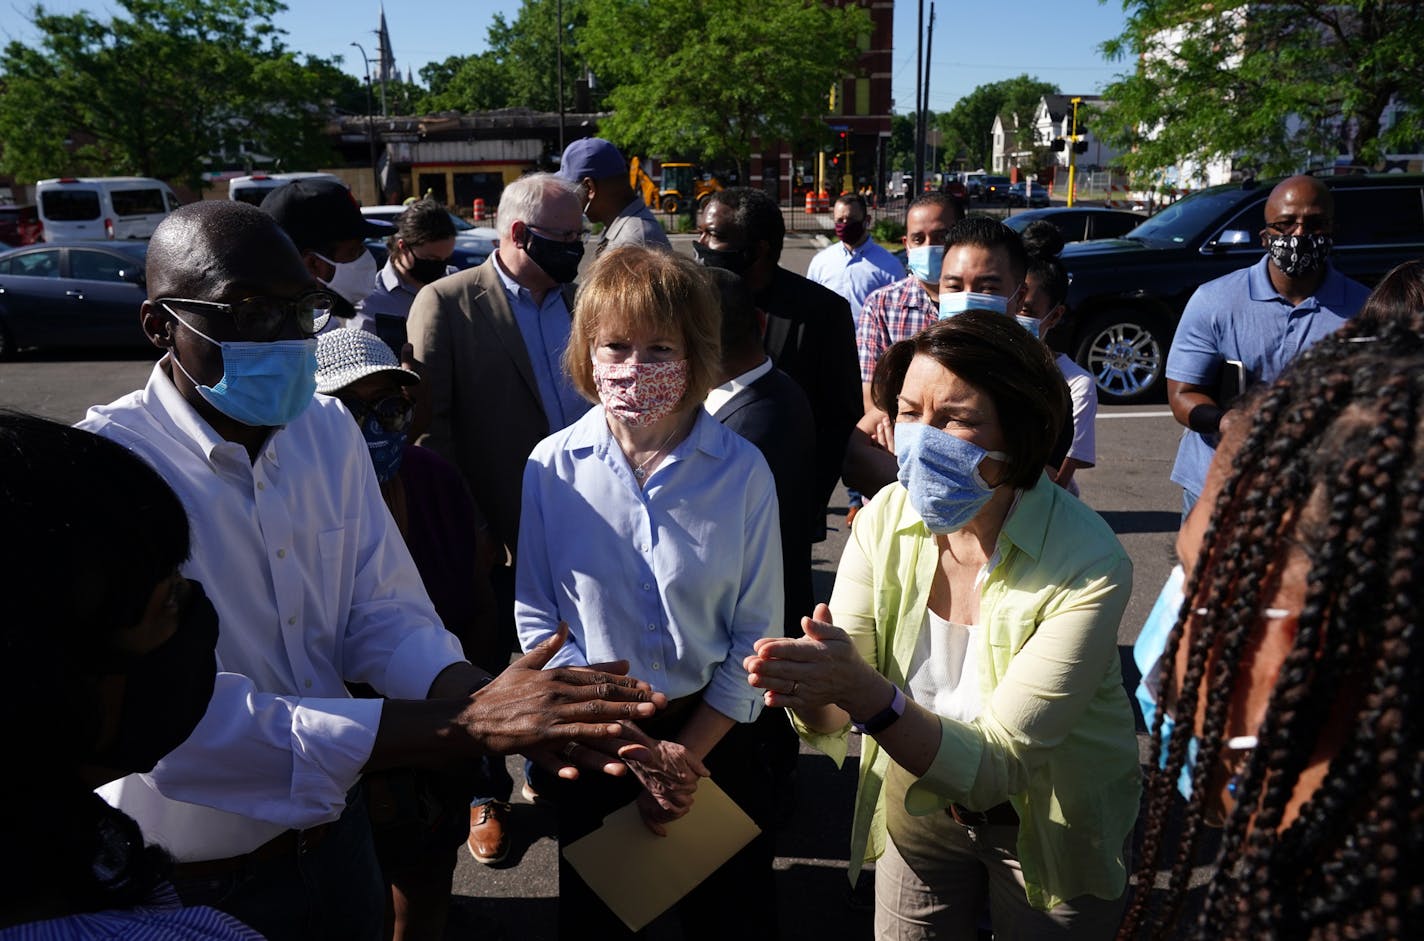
[(102, 207), (253, 189)]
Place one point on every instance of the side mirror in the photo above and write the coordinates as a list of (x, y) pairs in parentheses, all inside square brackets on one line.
[(1231, 237)]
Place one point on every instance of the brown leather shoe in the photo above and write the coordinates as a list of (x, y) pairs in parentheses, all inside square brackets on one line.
[(488, 842)]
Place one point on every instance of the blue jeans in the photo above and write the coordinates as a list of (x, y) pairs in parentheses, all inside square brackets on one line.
[(1189, 500)]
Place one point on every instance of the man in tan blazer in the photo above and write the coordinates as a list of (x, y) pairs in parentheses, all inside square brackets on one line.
[(488, 343)]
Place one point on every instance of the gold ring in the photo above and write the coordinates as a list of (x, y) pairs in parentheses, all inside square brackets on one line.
[(794, 684)]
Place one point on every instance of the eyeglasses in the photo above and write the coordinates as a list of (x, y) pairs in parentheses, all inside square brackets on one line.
[(392, 413), (1314, 226), (264, 318), (558, 235)]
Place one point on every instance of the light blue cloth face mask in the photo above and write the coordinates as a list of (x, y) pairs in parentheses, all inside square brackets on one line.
[(941, 472), (263, 384)]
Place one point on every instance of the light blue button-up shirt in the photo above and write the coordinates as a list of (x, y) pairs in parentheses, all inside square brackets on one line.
[(679, 578), (545, 328), (855, 273), (1242, 316)]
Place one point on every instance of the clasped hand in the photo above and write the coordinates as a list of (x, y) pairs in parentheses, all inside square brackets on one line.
[(553, 716), (820, 669)]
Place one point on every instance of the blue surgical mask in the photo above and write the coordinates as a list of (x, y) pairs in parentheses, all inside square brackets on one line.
[(1031, 324), (957, 302), (1147, 654), (925, 261), (263, 384), (941, 472)]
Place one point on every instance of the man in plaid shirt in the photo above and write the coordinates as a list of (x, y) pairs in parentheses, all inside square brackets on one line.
[(897, 312)]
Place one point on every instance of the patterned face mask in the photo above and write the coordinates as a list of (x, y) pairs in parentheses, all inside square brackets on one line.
[(640, 393), (1299, 255)]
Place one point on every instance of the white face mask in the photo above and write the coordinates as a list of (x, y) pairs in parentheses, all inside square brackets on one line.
[(353, 280)]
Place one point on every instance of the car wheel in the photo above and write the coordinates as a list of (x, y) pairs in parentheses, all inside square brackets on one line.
[(1126, 353), (670, 204)]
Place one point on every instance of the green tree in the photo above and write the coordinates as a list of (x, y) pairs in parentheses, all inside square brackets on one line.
[(520, 68), (161, 89), (968, 127), (703, 79), (1273, 85)]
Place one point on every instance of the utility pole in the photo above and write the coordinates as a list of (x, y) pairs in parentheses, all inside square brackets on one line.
[(370, 127), (924, 132), (559, 52), (919, 177), (1073, 154)]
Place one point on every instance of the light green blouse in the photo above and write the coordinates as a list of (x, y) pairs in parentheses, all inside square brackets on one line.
[(1056, 735)]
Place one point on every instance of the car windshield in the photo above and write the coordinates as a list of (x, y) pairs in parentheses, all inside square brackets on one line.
[(1187, 220)]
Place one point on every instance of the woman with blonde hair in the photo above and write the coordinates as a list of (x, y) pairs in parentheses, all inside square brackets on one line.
[(652, 530)]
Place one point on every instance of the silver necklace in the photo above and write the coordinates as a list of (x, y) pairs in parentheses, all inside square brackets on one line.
[(640, 472)]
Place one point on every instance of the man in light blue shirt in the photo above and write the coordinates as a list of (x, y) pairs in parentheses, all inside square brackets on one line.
[(1261, 317), (854, 266)]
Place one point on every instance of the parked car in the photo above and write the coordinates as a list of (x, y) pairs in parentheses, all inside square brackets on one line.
[(1037, 196), (1126, 295), (20, 225), (473, 243), (1080, 224), (75, 294), (103, 207), (994, 189)]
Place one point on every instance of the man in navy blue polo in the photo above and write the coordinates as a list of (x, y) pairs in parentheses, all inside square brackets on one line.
[(1262, 317)]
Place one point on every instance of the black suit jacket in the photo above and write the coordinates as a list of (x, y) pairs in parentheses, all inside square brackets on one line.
[(774, 414), (810, 335)]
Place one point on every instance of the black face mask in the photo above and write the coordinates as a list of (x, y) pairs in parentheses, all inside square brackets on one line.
[(736, 261), (166, 691), (558, 260), (426, 270)]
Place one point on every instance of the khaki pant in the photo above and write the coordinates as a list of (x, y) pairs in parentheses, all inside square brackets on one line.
[(939, 879)]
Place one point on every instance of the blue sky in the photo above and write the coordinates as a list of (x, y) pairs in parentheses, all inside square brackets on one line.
[(974, 43)]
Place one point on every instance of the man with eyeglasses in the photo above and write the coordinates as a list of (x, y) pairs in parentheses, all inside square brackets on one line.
[(1244, 328), (489, 343), (314, 589), (809, 331)]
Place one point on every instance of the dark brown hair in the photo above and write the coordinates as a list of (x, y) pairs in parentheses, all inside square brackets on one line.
[(997, 356), (1399, 296)]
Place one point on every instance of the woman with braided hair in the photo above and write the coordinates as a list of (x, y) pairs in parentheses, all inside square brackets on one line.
[(1291, 664)]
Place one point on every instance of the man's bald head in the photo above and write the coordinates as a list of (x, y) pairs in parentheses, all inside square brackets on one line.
[(1296, 194), (202, 249)]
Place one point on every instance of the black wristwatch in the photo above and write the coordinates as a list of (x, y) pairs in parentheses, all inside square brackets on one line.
[(886, 717)]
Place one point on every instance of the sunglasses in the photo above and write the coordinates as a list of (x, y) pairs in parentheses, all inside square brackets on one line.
[(263, 319), (393, 413)]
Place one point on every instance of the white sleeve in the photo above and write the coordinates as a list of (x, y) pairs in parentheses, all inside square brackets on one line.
[(280, 759)]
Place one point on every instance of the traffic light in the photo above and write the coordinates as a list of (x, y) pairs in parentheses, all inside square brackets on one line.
[(1080, 147), (1058, 144)]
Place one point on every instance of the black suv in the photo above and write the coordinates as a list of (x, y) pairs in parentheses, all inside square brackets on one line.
[(1127, 294)]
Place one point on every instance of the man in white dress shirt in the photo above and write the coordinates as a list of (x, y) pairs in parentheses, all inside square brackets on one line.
[(314, 588), (854, 266)]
